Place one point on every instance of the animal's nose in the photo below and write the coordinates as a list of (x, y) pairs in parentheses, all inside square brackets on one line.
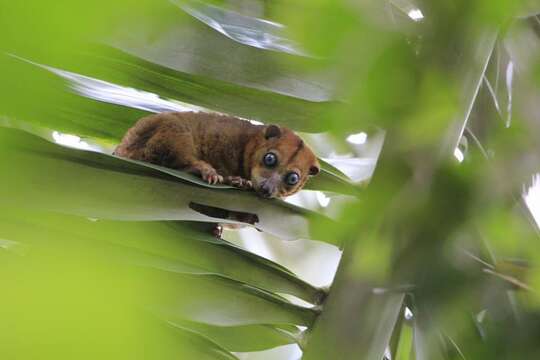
[(266, 190)]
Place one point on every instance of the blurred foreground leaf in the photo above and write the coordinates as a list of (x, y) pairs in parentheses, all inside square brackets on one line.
[(70, 303), (173, 246), (246, 338)]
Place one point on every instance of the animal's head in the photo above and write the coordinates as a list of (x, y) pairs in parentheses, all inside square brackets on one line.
[(279, 163)]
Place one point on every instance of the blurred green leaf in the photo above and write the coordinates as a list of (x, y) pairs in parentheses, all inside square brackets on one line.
[(406, 6), (426, 342), (388, 318), (65, 302), (472, 72), (405, 349), (107, 64), (218, 301), (173, 297), (246, 338), (375, 315), (529, 8), (180, 247)]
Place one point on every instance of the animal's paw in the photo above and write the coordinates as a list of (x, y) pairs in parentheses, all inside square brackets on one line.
[(239, 182), (211, 176)]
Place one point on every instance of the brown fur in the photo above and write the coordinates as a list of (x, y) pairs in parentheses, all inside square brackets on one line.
[(221, 149)]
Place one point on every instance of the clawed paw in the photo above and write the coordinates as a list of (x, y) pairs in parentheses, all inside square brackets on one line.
[(212, 177), (239, 182)]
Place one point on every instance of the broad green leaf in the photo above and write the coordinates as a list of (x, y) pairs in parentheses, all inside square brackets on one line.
[(195, 346), (529, 8), (218, 301), (388, 312), (328, 181), (405, 6), (374, 313), (474, 69), (246, 30), (426, 341), (65, 302), (165, 287), (404, 349), (247, 338), (396, 334), (227, 48), (35, 233), (269, 107), (177, 246)]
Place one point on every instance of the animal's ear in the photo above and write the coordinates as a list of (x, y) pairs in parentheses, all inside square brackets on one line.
[(272, 131), (314, 170)]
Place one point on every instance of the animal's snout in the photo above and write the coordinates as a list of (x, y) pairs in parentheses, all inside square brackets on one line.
[(266, 190), (269, 187)]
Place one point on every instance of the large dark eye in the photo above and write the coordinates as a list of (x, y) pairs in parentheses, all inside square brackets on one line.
[(270, 159), (292, 178)]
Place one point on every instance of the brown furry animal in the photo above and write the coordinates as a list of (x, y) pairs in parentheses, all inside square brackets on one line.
[(272, 160)]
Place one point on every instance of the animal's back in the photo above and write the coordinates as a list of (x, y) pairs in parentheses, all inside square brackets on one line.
[(175, 139)]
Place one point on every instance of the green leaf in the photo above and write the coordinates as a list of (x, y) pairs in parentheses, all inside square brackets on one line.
[(165, 287), (471, 79), (374, 313), (388, 312), (404, 348), (405, 6), (66, 300), (195, 346), (118, 67), (173, 246), (246, 30), (426, 341), (218, 301), (247, 338)]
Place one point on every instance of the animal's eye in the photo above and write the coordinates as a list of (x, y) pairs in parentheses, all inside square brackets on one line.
[(270, 159), (292, 178)]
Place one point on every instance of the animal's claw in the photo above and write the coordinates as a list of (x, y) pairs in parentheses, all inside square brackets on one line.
[(216, 179), (239, 182), (212, 177)]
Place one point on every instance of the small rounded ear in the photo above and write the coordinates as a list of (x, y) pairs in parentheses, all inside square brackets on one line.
[(314, 170), (272, 131)]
